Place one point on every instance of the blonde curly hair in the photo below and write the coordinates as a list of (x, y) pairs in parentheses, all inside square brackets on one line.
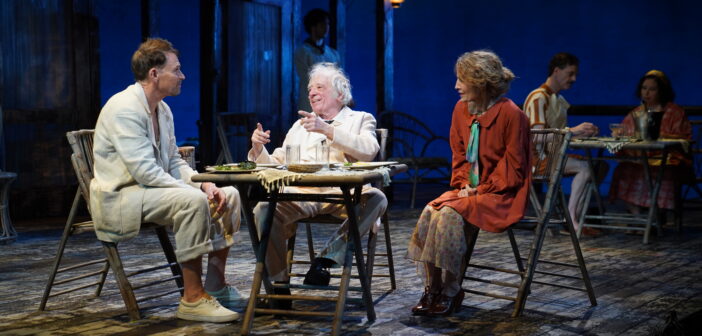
[(484, 70)]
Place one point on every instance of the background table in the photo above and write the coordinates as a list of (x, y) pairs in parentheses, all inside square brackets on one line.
[(645, 148)]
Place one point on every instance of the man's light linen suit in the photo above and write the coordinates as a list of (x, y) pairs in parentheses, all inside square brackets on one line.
[(139, 178)]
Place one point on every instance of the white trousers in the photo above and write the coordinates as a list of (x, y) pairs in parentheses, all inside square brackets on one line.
[(372, 206), (188, 211), (577, 188)]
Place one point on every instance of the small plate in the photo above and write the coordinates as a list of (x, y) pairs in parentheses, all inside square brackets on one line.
[(234, 170), (365, 165)]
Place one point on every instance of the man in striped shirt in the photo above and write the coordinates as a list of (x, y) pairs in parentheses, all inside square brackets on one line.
[(546, 108)]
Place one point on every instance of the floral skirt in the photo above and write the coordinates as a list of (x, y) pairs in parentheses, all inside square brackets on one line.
[(439, 238), (629, 184)]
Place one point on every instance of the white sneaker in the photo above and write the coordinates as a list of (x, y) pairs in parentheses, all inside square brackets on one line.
[(207, 309), (229, 297)]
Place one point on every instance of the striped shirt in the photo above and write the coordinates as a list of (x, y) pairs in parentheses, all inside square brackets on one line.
[(544, 107)]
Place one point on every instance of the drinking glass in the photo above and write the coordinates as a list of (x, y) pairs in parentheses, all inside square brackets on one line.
[(616, 130), (322, 155), (292, 154)]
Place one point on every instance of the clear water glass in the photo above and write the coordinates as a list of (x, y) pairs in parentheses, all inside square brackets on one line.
[(292, 154)]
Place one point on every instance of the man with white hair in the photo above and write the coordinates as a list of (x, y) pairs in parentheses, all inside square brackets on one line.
[(351, 137)]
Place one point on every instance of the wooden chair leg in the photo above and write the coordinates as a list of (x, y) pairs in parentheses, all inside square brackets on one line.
[(343, 289), (525, 284), (125, 287), (471, 238), (413, 195), (291, 252), (515, 251), (310, 242), (67, 233), (170, 256), (579, 254), (388, 249), (103, 277), (67, 230), (370, 259)]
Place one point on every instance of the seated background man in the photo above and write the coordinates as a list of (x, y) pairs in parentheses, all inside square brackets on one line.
[(546, 108), (351, 136), (140, 177)]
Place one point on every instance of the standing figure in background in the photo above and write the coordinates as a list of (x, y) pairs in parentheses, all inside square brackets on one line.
[(490, 177), (629, 182), (312, 51), (546, 108)]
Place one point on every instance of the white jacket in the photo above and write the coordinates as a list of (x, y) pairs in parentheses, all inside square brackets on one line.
[(127, 160), (354, 140)]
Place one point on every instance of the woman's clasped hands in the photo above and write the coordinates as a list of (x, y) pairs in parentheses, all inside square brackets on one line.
[(467, 191)]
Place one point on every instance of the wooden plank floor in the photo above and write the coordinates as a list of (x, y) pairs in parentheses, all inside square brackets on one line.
[(636, 285)]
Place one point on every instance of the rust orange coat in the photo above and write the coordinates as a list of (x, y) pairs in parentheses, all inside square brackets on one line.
[(505, 169)]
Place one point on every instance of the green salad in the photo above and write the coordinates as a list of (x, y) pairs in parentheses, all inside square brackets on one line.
[(245, 165)]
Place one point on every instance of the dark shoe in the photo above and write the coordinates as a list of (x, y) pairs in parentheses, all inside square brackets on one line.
[(279, 303), (425, 302), (446, 305), (318, 275)]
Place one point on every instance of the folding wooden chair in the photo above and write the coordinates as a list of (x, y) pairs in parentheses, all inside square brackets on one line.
[(82, 159), (549, 155), (382, 135)]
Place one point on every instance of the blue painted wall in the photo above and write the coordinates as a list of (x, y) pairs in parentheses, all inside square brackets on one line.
[(617, 41), (120, 34)]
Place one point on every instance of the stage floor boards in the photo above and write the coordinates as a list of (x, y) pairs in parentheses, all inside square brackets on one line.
[(636, 286)]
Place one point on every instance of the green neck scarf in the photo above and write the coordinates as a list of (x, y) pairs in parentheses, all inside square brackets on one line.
[(472, 154)]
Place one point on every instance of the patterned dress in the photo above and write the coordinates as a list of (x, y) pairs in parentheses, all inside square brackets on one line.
[(629, 181), (502, 193)]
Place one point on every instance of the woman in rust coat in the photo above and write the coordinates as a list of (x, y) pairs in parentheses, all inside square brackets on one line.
[(491, 174)]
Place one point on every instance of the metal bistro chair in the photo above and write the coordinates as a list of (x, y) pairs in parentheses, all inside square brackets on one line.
[(82, 159), (382, 135), (549, 146), (411, 142)]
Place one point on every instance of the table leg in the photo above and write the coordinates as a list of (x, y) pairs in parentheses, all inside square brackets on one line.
[(357, 245), (593, 189), (655, 189), (260, 273), (247, 206)]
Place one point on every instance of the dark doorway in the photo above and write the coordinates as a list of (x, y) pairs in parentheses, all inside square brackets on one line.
[(253, 68)]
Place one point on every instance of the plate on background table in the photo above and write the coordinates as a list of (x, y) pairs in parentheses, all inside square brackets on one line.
[(231, 169), (364, 165)]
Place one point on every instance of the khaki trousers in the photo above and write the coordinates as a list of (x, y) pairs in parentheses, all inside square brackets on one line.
[(372, 206), (187, 210)]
